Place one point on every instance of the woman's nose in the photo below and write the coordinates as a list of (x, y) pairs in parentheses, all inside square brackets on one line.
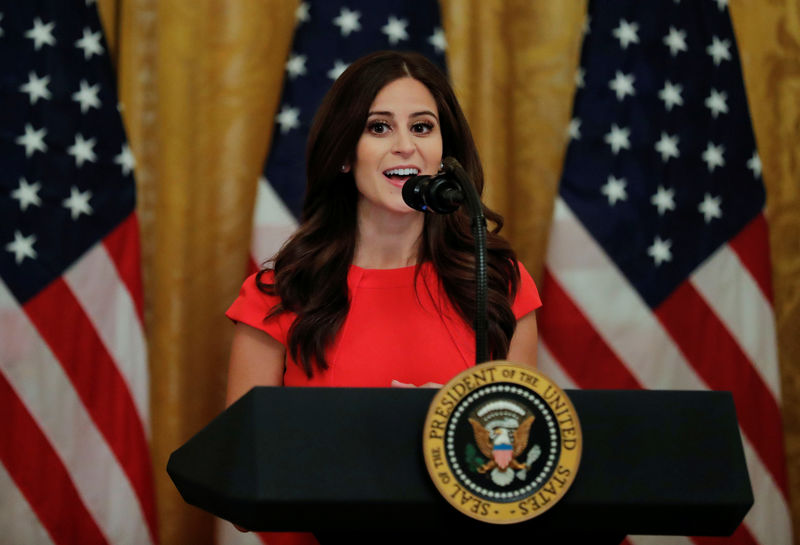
[(403, 143)]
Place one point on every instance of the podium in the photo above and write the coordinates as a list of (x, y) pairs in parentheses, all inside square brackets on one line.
[(338, 461)]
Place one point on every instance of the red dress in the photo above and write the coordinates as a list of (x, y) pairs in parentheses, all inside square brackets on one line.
[(395, 330)]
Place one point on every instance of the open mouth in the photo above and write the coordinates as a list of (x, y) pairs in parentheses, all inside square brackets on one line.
[(398, 176)]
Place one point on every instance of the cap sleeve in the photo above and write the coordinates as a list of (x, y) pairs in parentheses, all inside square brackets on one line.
[(527, 299), (252, 306)]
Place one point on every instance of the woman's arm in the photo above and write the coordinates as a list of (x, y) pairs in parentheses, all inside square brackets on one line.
[(522, 348), (257, 359)]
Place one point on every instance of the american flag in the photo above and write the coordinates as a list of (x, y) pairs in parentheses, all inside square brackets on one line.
[(329, 36), (73, 369), (657, 274)]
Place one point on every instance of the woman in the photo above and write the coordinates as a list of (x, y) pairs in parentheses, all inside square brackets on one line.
[(369, 292)]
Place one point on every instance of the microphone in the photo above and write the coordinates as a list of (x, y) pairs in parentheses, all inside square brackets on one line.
[(443, 193), (440, 193)]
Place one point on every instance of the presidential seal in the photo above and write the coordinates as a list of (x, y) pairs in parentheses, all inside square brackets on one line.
[(502, 442)]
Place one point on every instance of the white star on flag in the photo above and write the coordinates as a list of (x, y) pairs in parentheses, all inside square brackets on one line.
[(671, 95), (667, 146), (716, 102), (438, 41), (27, 194), (90, 43), (663, 199), (22, 247), (713, 156), (676, 41), (288, 118), (125, 160), (574, 129), (719, 50), (395, 29), (36, 88), (78, 202), (580, 76), (754, 164), (614, 189), (82, 150), (618, 138), (347, 21), (296, 65), (33, 140), (301, 13), (660, 251), (338, 68), (622, 85), (710, 207), (86, 96), (626, 33), (41, 34)]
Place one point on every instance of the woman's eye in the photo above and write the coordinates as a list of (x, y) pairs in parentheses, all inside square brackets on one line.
[(422, 127), (378, 127)]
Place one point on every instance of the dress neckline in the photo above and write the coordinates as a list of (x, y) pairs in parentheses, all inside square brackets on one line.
[(378, 278)]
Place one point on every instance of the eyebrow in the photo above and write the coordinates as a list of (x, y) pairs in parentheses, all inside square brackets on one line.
[(415, 114)]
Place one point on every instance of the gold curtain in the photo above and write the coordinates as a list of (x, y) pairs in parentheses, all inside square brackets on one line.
[(200, 83)]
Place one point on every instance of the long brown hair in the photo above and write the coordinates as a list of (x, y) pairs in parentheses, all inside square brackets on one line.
[(311, 269)]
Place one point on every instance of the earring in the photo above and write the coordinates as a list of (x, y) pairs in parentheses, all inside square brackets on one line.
[(441, 165), (343, 168)]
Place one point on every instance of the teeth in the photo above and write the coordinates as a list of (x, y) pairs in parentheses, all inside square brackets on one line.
[(402, 172)]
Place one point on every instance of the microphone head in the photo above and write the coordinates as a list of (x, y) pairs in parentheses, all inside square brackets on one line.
[(443, 195), (437, 194), (413, 192)]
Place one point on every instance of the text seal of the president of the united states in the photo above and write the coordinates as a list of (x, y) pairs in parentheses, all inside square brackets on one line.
[(502, 442)]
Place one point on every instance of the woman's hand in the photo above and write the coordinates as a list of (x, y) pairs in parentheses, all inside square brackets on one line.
[(398, 384)]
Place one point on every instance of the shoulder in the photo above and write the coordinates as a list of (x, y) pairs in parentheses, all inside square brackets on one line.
[(251, 289), (253, 305)]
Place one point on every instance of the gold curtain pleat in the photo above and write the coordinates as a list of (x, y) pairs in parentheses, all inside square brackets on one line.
[(513, 64), (768, 36), (200, 81)]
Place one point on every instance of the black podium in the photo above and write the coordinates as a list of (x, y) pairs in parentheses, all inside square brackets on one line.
[(340, 461)]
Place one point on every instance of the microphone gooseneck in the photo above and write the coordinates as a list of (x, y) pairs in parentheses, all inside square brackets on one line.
[(443, 193)]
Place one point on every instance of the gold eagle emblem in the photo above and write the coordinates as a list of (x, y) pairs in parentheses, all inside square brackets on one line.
[(501, 447)]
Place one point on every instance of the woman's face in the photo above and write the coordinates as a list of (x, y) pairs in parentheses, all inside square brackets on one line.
[(402, 138)]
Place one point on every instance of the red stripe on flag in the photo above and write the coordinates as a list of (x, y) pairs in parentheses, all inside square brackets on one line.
[(41, 476), (577, 346), (716, 356), (588, 359), (122, 244), (752, 247), (71, 336)]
